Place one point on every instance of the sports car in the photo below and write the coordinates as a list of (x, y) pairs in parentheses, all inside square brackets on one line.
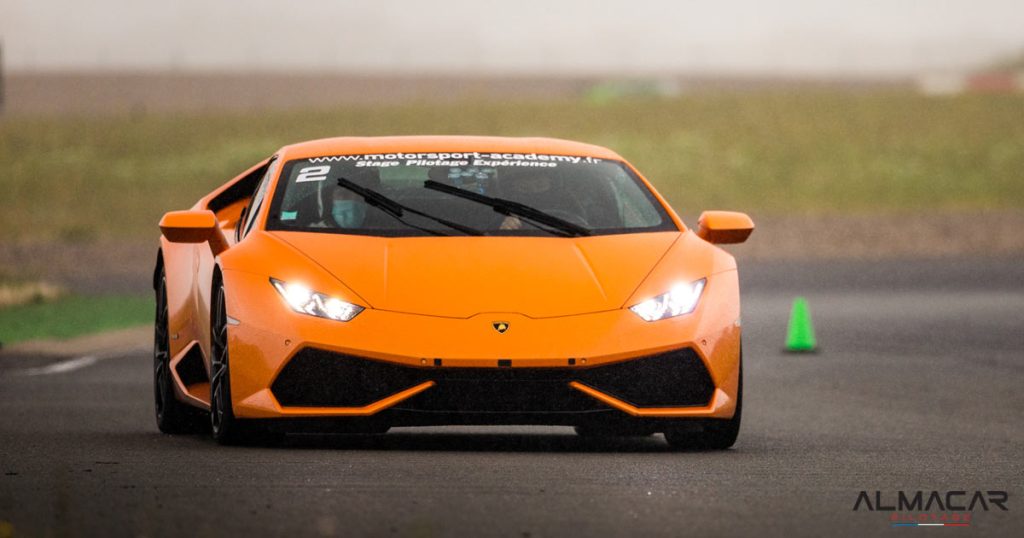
[(351, 285)]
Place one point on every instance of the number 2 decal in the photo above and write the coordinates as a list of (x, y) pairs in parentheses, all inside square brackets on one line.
[(313, 173)]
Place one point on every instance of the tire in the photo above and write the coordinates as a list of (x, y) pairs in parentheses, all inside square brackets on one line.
[(227, 429), (716, 434), (172, 416)]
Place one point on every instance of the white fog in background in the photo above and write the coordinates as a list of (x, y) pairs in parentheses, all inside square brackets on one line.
[(784, 37)]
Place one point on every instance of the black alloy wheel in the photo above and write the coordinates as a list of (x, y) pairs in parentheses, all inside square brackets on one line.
[(172, 416), (227, 429)]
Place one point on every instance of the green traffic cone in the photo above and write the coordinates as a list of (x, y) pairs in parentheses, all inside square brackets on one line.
[(800, 336)]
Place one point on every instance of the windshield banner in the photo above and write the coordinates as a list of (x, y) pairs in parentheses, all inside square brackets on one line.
[(474, 158)]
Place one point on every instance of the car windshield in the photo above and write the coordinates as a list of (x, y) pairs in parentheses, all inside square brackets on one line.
[(476, 193)]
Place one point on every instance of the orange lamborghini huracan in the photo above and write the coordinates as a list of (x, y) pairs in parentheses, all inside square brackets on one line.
[(353, 284)]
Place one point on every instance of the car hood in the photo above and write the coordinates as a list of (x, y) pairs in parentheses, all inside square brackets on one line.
[(460, 277)]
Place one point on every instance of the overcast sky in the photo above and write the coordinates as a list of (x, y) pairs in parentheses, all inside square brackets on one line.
[(789, 37)]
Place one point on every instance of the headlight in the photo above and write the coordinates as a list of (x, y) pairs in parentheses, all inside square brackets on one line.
[(681, 299), (306, 301)]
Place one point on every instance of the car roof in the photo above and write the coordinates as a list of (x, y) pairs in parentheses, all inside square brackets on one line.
[(391, 144)]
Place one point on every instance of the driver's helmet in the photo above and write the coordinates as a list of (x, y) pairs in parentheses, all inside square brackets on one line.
[(346, 208)]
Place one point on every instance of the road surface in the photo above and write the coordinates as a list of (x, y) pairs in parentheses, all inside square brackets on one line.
[(918, 386)]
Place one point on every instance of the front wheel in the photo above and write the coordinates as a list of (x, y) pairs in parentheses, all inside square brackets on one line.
[(172, 416), (227, 429)]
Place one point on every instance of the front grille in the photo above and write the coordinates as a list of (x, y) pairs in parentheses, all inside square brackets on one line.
[(520, 390), (317, 378), (674, 379)]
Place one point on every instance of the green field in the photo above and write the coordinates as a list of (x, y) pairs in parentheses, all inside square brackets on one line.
[(71, 316), (810, 152)]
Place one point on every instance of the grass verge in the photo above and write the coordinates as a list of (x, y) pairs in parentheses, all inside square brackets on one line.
[(806, 152), (73, 315)]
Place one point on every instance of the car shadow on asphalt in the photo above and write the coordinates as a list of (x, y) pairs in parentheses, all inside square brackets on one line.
[(413, 441), (478, 442), (475, 442)]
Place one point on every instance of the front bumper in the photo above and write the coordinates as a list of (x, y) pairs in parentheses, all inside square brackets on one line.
[(414, 369)]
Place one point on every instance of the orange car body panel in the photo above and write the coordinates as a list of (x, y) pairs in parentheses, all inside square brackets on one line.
[(569, 299)]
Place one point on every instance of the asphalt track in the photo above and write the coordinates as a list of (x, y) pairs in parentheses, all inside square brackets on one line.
[(917, 387)]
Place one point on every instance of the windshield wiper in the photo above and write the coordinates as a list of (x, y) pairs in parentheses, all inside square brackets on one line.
[(397, 210), (508, 207)]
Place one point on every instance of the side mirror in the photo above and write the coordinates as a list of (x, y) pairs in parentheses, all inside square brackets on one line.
[(721, 227), (194, 226)]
